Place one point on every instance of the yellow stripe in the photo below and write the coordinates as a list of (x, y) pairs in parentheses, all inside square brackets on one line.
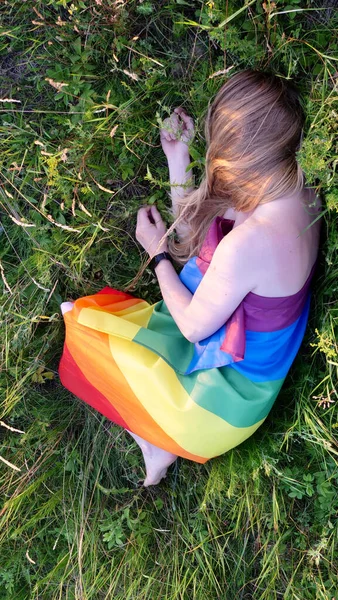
[(155, 384), (139, 316), (110, 323)]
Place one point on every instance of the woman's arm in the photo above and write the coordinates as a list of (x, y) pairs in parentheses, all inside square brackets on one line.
[(227, 281), (180, 179), (177, 132), (229, 278)]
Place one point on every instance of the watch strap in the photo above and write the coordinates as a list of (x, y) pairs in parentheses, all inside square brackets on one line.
[(157, 259)]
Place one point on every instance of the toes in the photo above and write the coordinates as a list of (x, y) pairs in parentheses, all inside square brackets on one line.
[(66, 307), (154, 479)]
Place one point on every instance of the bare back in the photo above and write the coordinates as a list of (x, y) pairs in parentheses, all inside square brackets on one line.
[(284, 238)]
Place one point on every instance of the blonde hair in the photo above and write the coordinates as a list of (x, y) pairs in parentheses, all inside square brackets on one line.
[(253, 130)]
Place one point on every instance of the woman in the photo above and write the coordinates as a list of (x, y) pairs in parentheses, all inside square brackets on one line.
[(197, 373)]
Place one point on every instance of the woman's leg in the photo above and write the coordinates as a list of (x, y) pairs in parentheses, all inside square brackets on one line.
[(156, 460), (66, 307)]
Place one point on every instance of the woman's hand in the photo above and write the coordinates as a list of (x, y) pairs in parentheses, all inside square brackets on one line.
[(177, 132), (150, 230)]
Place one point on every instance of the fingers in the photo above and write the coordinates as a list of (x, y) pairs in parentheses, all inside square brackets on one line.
[(174, 121), (167, 135), (174, 126), (142, 216), (155, 214), (188, 130), (189, 121), (148, 214), (178, 127), (151, 230), (164, 134), (171, 127), (165, 131)]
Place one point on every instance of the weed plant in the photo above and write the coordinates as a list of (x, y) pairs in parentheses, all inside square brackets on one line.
[(83, 88)]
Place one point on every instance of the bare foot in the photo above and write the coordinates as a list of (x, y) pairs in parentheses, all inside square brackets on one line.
[(66, 307), (156, 460)]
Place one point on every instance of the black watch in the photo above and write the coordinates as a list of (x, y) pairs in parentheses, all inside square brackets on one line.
[(156, 259)]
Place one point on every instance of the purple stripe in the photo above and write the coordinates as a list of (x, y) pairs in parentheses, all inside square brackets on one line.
[(270, 314)]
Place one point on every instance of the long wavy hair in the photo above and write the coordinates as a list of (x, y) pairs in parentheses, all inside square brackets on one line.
[(253, 130)]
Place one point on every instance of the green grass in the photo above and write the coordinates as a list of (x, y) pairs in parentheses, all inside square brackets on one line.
[(259, 522)]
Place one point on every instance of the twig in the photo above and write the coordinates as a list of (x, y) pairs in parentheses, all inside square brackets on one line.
[(9, 464), (10, 428), (6, 284)]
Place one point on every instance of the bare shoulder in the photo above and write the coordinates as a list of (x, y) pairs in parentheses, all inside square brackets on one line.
[(272, 250), (248, 240), (238, 254), (284, 243)]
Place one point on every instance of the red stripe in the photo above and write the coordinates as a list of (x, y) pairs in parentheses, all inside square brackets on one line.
[(108, 290), (73, 379)]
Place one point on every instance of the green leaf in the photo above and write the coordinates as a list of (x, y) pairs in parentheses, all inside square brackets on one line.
[(77, 46)]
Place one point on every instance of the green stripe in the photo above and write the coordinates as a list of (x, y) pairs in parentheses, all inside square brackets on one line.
[(223, 390), (163, 337), (230, 395)]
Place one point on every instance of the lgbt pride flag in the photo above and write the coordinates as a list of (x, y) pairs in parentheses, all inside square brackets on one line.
[(128, 360)]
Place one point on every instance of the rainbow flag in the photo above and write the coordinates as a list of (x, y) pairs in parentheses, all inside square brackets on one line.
[(128, 360)]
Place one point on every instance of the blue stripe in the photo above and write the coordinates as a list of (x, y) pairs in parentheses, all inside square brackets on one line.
[(268, 356), (208, 354), (190, 275)]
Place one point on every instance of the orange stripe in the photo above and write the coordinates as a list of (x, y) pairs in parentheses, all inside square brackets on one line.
[(111, 303), (90, 350)]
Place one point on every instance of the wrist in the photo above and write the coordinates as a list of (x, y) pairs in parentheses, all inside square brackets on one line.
[(161, 256), (179, 176), (156, 251), (180, 157)]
